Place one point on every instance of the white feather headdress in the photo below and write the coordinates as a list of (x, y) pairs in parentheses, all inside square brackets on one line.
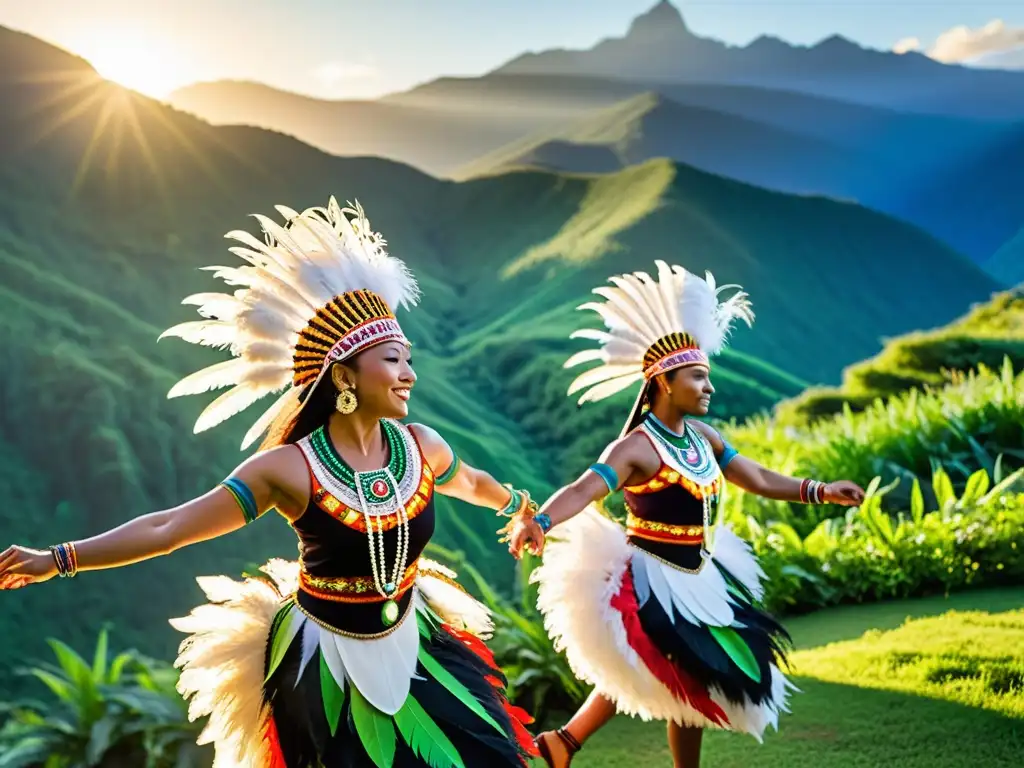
[(319, 289), (653, 326)]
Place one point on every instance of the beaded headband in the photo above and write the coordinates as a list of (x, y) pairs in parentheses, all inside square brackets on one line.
[(654, 326), (676, 350), (342, 328), (318, 290)]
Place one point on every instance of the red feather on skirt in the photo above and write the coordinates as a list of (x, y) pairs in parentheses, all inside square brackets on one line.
[(671, 675)]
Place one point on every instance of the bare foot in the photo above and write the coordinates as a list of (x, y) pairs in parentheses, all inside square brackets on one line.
[(554, 750)]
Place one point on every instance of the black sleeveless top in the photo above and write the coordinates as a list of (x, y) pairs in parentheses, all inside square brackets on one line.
[(335, 533), (669, 512)]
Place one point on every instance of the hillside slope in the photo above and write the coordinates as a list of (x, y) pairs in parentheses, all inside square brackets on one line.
[(431, 137), (975, 200), (651, 126), (1007, 265)]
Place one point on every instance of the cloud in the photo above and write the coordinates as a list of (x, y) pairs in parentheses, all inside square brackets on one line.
[(1013, 59), (961, 44), (907, 44), (336, 73)]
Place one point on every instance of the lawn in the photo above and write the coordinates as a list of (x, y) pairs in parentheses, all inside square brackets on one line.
[(932, 683)]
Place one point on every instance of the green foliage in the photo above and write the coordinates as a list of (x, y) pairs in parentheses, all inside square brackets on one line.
[(968, 540), (975, 422), (988, 334), (107, 712)]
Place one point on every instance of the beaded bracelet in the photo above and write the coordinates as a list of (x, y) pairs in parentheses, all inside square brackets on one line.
[(812, 492), (520, 505), (513, 503), (66, 558)]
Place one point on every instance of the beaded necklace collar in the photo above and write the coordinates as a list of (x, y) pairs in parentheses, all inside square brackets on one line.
[(372, 492), (688, 453)]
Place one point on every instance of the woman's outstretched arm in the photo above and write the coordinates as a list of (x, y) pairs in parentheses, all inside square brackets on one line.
[(453, 477), (248, 492), (627, 457), (755, 478)]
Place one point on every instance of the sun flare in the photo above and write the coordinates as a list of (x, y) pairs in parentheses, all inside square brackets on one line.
[(133, 59)]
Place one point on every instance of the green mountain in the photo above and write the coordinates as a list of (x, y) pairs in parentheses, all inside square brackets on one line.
[(1007, 265), (110, 202)]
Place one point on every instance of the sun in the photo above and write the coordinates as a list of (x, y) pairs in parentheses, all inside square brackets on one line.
[(134, 59)]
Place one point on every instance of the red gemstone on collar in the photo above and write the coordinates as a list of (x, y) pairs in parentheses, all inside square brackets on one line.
[(379, 488)]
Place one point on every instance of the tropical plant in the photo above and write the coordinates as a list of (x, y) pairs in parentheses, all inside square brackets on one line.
[(967, 540), (974, 422), (112, 712)]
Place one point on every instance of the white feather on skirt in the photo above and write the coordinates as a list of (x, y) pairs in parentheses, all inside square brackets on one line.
[(222, 661), (585, 560)]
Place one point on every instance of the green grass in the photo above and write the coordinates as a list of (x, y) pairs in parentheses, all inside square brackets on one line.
[(942, 689), (848, 622)]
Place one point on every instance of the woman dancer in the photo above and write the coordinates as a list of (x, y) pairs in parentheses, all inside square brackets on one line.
[(363, 653), (684, 641)]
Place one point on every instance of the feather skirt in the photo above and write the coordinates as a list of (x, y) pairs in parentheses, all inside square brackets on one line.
[(688, 647), (283, 691)]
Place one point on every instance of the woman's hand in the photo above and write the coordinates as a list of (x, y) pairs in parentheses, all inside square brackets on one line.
[(844, 493), (526, 532), (21, 566)]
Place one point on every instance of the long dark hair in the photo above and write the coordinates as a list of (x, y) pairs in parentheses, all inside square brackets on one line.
[(645, 401), (292, 426)]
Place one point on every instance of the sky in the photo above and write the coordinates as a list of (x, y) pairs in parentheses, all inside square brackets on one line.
[(366, 48)]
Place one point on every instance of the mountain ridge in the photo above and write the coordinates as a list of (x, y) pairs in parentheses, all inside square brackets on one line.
[(659, 46)]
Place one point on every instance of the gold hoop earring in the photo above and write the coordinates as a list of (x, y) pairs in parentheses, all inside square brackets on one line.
[(346, 402)]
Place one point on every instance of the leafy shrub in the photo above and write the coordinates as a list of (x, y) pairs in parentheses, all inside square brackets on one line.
[(120, 711), (985, 336), (962, 427), (867, 555)]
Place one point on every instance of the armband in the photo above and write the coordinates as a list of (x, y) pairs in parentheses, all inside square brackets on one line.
[(243, 497), (728, 455), (609, 475), (449, 474)]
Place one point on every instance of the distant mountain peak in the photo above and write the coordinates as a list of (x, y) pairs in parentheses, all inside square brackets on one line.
[(838, 43), (661, 21)]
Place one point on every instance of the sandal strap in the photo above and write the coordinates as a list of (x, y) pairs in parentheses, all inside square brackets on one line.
[(570, 741)]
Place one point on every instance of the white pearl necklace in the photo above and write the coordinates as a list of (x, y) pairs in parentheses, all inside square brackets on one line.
[(378, 563)]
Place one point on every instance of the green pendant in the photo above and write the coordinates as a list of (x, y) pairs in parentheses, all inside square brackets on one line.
[(389, 613)]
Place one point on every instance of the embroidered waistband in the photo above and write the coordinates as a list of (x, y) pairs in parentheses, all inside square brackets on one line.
[(670, 534), (353, 589)]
